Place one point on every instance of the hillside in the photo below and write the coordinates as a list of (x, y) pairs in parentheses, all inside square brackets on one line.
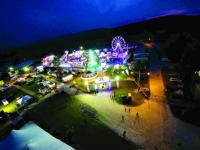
[(160, 28)]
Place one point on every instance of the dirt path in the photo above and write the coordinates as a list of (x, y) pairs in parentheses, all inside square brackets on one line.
[(156, 126)]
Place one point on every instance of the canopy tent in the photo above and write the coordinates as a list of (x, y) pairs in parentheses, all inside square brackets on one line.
[(4, 87), (32, 137), (24, 99)]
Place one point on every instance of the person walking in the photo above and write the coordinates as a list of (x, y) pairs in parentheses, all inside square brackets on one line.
[(155, 147), (125, 109), (122, 117), (137, 115), (124, 134), (129, 110)]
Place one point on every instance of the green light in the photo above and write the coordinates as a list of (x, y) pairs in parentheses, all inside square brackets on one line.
[(117, 78), (92, 58), (93, 62), (26, 69), (11, 69)]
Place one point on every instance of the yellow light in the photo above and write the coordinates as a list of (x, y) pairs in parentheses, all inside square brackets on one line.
[(1, 82), (86, 82), (26, 69), (149, 39), (198, 72)]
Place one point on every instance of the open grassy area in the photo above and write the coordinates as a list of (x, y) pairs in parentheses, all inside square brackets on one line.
[(13, 93), (128, 87), (113, 73), (50, 77), (76, 124), (80, 85), (137, 98), (32, 87), (125, 88)]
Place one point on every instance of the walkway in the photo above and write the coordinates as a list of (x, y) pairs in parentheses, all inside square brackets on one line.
[(156, 83), (156, 127)]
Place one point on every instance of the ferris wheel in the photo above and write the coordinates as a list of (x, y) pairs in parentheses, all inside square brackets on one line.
[(118, 43)]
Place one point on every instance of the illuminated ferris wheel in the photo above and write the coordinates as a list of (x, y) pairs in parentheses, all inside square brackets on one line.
[(118, 43)]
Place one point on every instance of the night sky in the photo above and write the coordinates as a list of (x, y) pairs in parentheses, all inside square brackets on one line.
[(25, 21)]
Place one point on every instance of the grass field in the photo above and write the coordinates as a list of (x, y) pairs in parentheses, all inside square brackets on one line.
[(112, 73), (129, 87), (11, 107), (76, 124), (32, 87)]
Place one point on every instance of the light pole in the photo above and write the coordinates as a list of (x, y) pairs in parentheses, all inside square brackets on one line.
[(109, 85), (117, 81), (95, 87), (139, 77), (87, 85)]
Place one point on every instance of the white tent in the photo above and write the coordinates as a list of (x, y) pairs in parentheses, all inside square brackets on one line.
[(32, 137)]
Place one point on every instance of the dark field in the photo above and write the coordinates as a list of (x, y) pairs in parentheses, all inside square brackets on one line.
[(76, 124)]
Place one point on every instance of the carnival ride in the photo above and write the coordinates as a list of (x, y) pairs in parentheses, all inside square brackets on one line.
[(118, 43)]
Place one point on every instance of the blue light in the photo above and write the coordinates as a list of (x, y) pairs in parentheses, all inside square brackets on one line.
[(109, 85)]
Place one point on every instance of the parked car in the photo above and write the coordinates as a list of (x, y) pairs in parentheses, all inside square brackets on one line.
[(125, 99), (146, 92), (172, 79), (51, 85), (43, 91)]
